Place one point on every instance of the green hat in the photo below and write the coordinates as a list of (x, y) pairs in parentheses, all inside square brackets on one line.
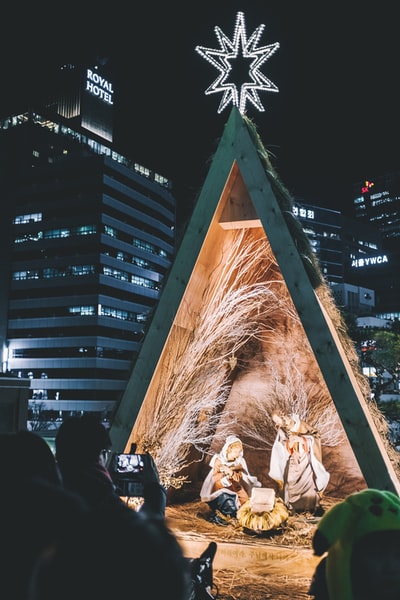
[(359, 514)]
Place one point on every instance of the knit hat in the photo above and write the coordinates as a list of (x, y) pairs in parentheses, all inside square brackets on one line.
[(359, 514)]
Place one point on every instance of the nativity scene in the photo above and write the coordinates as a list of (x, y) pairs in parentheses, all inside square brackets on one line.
[(247, 344), (246, 328)]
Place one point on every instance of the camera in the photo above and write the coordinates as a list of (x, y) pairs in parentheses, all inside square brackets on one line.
[(130, 473)]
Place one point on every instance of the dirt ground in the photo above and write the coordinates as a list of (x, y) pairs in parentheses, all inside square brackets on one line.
[(277, 564)]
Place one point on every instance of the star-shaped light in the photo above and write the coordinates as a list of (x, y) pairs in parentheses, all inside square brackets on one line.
[(239, 47)]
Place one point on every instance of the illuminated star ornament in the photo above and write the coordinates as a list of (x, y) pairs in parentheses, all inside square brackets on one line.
[(240, 49)]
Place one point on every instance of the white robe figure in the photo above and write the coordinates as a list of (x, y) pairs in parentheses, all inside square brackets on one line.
[(296, 464), (217, 482)]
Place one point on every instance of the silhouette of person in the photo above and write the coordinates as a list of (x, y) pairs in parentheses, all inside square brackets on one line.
[(361, 539), (107, 548), (35, 509), (114, 554), (33, 456), (81, 447)]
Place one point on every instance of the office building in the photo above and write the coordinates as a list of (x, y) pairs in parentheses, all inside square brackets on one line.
[(377, 201), (343, 246), (323, 229), (87, 236)]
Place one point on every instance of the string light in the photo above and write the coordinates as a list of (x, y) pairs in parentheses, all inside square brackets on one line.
[(239, 47)]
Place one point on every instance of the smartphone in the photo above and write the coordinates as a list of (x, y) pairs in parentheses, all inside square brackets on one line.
[(130, 472), (129, 463)]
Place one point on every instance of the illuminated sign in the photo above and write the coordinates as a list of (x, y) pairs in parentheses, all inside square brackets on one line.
[(366, 187), (304, 213), (379, 195), (99, 87), (371, 261)]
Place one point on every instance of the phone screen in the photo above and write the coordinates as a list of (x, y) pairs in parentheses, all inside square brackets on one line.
[(129, 463)]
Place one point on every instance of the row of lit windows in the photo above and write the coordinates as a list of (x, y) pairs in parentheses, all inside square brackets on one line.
[(381, 201), (91, 310), (148, 247), (46, 419), (138, 243), (65, 232), (129, 258), (72, 352), (30, 218), (310, 232), (124, 315), (79, 270), (391, 316), (101, 149), (368, 244), (135, 279), (53, 272), (95, 146), (82, 311), (359, 200)]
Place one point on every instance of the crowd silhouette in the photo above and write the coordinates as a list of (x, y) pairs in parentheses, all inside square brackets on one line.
[(67, 534)]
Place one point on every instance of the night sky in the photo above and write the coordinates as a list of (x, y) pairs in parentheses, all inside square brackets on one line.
[(334, 121)]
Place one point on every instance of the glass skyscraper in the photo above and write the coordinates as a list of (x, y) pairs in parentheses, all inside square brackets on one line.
[(87, 236)]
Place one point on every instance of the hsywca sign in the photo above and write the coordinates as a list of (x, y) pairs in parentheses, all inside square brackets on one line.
[(371, 261)]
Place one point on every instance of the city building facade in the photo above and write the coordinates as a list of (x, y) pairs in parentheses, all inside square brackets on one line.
[(323, 227), (87, 237), (340, 244), (377, 202)]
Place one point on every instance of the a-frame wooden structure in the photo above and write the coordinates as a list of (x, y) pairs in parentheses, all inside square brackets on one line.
[(237, 193)]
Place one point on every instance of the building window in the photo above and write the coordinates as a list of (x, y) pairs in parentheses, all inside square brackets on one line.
[(29, 218)]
